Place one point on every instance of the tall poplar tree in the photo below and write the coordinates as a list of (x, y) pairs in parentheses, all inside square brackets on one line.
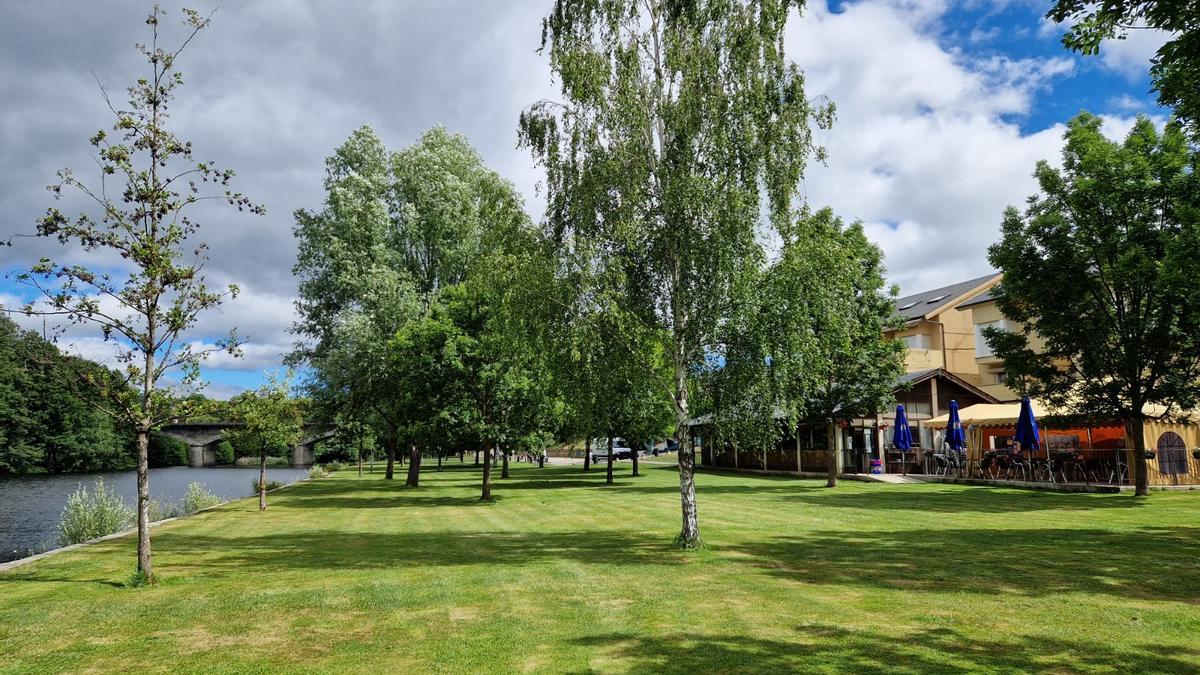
[(148, 224), (677, 120)]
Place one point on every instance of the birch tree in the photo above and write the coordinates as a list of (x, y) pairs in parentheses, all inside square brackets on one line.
[(677, 121)]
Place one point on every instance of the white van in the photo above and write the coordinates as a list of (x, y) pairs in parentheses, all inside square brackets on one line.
[(621, 450)]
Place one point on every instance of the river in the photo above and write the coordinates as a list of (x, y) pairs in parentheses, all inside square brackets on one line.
[(31, 505)]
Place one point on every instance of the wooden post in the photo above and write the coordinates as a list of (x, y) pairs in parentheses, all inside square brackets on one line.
[(797, 449)]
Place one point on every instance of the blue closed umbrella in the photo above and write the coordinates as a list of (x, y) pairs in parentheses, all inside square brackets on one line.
[(1027, 428), (955, 437), (902, 436)]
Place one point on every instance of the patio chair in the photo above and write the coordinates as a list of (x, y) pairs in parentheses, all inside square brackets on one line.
[(1118, 470)]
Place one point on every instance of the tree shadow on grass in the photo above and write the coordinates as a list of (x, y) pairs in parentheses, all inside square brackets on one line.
[(332, 549), (962, 499), (835, 649), (396, 500), (1155, 564), (10, 577)]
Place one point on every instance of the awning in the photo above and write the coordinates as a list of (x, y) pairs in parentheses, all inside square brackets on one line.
[(1006, 414)]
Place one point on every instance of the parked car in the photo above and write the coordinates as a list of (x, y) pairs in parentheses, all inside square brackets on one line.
[(621, 450)]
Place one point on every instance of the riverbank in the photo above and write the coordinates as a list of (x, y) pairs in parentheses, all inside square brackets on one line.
[(30, 506), (563, 573)]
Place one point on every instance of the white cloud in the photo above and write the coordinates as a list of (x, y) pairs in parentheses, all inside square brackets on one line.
[(254, 356), (924, 149), (1131, 57)]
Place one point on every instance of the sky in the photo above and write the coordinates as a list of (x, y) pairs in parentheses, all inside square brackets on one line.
[(943, 110)]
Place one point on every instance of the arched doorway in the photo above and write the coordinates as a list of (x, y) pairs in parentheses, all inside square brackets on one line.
[(1172, 454)]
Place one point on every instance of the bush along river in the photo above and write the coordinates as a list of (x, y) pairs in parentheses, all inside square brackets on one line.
[(30, 506)]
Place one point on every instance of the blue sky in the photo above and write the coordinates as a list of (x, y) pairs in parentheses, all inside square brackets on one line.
[(943, 109)]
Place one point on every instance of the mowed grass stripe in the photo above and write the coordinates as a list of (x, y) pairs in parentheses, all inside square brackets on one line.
[(565, 573)]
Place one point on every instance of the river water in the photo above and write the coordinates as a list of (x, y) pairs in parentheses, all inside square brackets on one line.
[(31, 505)]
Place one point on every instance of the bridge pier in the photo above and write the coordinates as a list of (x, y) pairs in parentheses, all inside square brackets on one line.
[(303, 455), (196, 456)]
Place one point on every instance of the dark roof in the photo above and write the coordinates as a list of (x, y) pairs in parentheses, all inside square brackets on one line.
[(917, 376), (922, 375), (918, 305), (986, 296)]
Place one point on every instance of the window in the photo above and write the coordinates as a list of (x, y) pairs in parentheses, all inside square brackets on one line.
[(918, 341), (999, 376), (1172, 455), (982, 349), (926, 437), (905, 306), (937, 299)]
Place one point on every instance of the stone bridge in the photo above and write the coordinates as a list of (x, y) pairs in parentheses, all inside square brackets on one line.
[(202, 439)]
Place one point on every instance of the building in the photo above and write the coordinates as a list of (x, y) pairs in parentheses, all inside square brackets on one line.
[(941, 366), (949, 359)]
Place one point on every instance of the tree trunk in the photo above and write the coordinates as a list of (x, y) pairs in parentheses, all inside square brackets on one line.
[(542, 459), (439, 455), (145, 565), (414, 465), (461, 452), (1134, 428), (634, 458), (689, 533), (391, 459), (262, 480), (504, 463), (608, 477), (360, 457), (831, 462), (487, 472), (587, 455), (476, 456)]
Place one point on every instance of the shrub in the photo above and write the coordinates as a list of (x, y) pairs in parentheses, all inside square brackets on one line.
[(161, 511), (271, 485), (137, 579), (88, 515), (167, 451), (331, 467), (316, 472), (198, 497), (271, 461), (225, 453)]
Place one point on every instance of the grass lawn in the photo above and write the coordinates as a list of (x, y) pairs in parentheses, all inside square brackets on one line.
[(563, 573)]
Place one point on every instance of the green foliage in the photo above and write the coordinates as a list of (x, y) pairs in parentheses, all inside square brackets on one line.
[(45, 426), (1102, 268), (225, 454), (675, 123), (333, 467), (167, 451), (407, 277), (270, 418), (316, 471), (198, 497), (830, 305), (1175, 68), (88, 515)]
